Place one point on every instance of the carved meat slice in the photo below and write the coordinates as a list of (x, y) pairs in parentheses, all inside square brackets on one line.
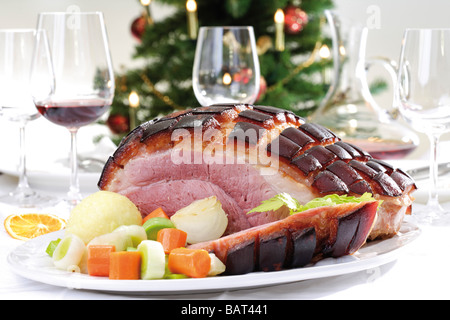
[(245, 154), (297, 240)]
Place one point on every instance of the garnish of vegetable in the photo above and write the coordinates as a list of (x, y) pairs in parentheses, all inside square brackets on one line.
[(294, 206), (175, 276), (171, 238), (334, 199), (194, 263), (136, 233), (217, 266), (170, 275), (153, 225), (125, 265), (68, 252), (52, 246), (98, 260), (153, 259), (156, 213), (276, 202), (202, 220), (119, 239)]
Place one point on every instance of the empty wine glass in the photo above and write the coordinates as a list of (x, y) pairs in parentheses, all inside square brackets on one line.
[(72, 77), (16, 104), (226, 66), (423, 95)]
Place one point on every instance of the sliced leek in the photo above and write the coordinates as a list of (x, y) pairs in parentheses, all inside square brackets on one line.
[(69, 252), (119, 239), (153, 263), (136, 233)]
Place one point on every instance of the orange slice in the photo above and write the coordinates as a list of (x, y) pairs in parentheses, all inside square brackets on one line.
[(30, 225)]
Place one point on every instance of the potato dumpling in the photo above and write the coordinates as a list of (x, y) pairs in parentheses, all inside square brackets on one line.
[(100, 213)]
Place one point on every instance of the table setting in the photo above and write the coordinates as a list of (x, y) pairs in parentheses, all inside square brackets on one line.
[(82, 141)]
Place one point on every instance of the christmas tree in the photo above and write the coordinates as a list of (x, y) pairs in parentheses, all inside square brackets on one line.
[(163, 85)]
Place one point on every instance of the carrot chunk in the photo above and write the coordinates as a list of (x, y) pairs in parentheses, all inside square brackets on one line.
[(98, 259), (156, 213), (125, 265), (194, 263), (171, 238)]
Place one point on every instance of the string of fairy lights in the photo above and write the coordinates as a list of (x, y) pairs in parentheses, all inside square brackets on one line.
[(193, 25), (320, 50)]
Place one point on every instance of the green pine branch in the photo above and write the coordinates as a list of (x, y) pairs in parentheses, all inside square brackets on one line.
[(168, 55)]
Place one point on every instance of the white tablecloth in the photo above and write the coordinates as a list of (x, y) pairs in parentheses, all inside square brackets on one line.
[(422, 271)]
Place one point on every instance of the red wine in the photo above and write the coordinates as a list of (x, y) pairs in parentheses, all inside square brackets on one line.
[(384, 150), (73, 114)]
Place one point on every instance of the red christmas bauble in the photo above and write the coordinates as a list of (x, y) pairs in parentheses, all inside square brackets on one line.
[(118, 124), (138, 27), (295, 19), (244, 75)]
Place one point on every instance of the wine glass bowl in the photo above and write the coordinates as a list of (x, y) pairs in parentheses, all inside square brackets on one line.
[(226, 66), (72, 75), (16, 105), (72, 113), (15, 54), (423, 97), (83, 87)]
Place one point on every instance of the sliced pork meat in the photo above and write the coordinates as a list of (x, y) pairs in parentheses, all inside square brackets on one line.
[(245, 154), (297, 240)]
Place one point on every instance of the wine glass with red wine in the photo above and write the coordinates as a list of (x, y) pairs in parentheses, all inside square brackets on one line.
[(72, 77)]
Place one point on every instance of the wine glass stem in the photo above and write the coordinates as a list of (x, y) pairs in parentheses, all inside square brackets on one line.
[(433, 199), (23, 186), (74, 191)]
